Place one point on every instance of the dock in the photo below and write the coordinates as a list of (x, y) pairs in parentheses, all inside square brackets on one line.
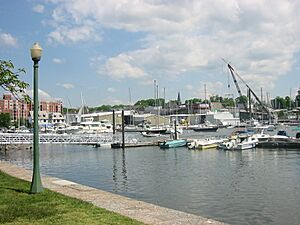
[(82, 139), (134, 145)]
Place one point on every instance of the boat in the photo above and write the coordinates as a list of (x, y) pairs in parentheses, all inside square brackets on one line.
[(260, 135), (171, 130), (207, 143), (284, 142), (160, 130), (132, 128), (91, 127), (173, 143), (239, 140), (149, 134), (248, 143), (205, 128), (281, 140), (228, 144)]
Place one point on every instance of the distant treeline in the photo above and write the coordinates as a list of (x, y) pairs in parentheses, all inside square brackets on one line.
[(276, 103)]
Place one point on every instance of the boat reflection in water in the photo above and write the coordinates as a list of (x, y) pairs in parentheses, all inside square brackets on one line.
[(257, 186)]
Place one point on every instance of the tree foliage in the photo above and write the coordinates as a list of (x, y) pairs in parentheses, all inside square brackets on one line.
[(242, 99), (297, 99), (10, 81), (145, 103), (228, 102), (193, 101), (282, 103), (216, 98), (149, 102), (5, 120)]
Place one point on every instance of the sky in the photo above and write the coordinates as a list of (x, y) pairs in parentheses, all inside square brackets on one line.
[(110, 52)]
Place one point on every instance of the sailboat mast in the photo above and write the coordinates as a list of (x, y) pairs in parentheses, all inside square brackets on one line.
[(205, 93), (129, 90)]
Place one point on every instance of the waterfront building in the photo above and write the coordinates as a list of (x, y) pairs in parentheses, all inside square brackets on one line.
[(22, 111), (101, 116), (48, 118), (222, 117), (17, 109), (152, 119), (51, 106)]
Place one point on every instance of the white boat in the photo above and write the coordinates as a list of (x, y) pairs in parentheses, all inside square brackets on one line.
[(261, 137), (90, 127), (149, 134), (171, 130), (207, 143), (205, 128), (248, 143), (228, 144), (160, 130), (132, 128)]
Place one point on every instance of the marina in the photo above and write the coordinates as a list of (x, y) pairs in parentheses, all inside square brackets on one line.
[(186, 112), (229, 186)]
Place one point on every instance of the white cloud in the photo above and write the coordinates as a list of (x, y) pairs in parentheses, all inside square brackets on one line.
[(185, 36), (66, 34), (7, 39), (58, 60), (38, 8), (189, 87), (205, 89), (111, 90), (121, 67), (43, 96), (112, 101), (65, 85)]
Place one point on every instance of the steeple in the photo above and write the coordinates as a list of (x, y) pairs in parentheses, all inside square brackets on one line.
[(178, 99)]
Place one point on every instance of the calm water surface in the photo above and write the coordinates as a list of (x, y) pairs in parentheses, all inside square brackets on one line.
[(260, 186)]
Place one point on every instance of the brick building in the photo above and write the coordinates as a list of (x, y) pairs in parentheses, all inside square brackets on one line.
[(17, 109), (21, 110)]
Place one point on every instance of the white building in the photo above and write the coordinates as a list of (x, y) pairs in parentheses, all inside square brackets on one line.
[(222, 117), (47, 119)]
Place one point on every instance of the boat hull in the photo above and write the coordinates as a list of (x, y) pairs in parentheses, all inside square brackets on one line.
[(173, 144), (208, 146), (205, 129)]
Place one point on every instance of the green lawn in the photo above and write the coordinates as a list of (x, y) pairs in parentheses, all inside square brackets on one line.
[(18, 206)]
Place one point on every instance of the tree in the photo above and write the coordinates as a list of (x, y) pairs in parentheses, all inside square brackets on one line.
[(279, 103), (228, 102), (242, 99), (145, 103), (193, 101), (216, 98), (10, 81), (4, 120), (297, 99)]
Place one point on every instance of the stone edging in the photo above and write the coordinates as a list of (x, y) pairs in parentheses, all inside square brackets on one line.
[(138, 210)]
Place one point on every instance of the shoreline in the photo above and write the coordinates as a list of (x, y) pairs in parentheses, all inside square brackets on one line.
[(135, 209)]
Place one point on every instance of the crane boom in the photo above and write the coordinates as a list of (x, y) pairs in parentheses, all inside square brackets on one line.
[(236, 84), (232, 71)]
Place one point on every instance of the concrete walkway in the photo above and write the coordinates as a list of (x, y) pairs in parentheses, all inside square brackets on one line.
[(141, 211)]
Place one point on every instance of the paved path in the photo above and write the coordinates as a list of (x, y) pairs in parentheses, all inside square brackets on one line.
[(141, 211)]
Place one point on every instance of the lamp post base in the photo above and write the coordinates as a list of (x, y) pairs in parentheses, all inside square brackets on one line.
[(36, 184)]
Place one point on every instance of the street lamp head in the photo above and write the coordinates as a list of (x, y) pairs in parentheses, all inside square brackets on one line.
[(36, 52)]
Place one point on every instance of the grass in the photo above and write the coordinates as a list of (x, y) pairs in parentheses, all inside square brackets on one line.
[(18, 206)]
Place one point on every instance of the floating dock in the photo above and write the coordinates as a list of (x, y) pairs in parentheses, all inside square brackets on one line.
[(134, 145), (287, 144)]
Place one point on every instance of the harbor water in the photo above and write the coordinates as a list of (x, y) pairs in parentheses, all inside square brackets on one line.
[(258, 186)]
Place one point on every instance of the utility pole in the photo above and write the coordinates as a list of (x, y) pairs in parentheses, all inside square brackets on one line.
[(290, 103), (164, 97), (129, 96), (205, 93)]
